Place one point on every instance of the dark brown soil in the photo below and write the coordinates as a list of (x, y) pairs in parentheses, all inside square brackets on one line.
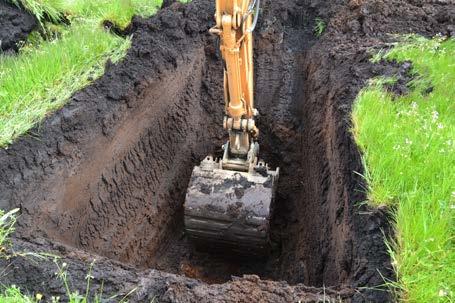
[(106, 175), (15, 25)]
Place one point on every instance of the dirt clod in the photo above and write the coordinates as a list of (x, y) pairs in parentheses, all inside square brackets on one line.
[(15, 25)]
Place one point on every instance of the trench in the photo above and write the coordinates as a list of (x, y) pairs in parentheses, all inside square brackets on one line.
[(132, 211), (123, 200)]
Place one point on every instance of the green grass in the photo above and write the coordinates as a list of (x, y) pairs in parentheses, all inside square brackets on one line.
[(118, 12), (42, 78), (46, 72), (319, 26), (7, 221), (13, 294), (408, 146), (41, 9)]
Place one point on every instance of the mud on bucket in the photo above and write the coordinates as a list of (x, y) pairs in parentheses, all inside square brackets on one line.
[(230, 210)]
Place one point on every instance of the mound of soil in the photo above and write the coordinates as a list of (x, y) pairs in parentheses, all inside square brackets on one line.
[(15, 25), (105, 177)]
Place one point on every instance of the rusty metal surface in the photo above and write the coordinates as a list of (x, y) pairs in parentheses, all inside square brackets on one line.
[(230, 209)]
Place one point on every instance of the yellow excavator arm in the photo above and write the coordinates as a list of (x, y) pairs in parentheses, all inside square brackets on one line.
[(228, 203), (235, 23)]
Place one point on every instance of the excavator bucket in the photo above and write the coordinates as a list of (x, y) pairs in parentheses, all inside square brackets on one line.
[(230, 210)]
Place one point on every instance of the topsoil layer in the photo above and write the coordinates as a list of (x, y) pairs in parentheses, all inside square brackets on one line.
[(15, 25), (106, 175)]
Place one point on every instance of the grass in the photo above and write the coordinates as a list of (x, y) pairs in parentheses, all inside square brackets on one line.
[(118, 12), (41, 9), (42, 78), (13, 294), (319, 26), (47, 72), (7, 221), (408, 145)]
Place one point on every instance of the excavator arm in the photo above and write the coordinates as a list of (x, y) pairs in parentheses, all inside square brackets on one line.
[(233, 25), (235, 22), (228, 203)]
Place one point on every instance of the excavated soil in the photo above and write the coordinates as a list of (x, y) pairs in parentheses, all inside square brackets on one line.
[(15, 25), (105, 176)]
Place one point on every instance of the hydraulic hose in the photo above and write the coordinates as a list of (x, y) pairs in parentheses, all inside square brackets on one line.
[(252, 7), (256, 16)]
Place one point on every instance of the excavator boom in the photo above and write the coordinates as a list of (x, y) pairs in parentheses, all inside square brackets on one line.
[(228, 202)]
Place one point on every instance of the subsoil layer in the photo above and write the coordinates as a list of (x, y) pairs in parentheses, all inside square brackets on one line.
[(105, 177)]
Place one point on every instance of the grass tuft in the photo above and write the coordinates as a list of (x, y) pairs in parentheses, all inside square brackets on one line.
[(119, 12), (41, 79), (408, 145), (7, 221), (42, 10), (319, 26), (13, 294)]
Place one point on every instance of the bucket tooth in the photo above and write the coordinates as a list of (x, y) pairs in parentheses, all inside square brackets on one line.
[(226, 209)]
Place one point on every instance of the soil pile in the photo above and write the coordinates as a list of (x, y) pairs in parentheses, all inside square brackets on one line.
[(15, 25), (108, 175)]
